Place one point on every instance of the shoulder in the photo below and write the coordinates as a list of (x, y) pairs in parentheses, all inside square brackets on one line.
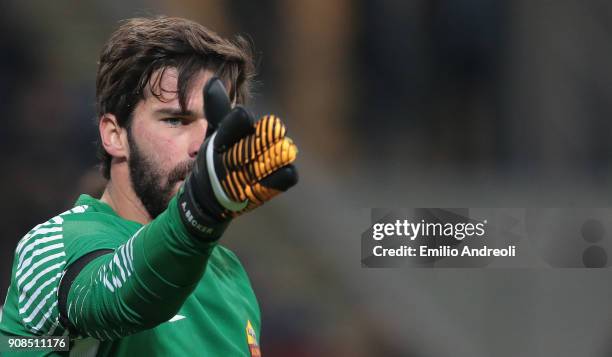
[(74, 232), (45, 237), (225, 253), (43, 254), (40, 258), (224, 258)]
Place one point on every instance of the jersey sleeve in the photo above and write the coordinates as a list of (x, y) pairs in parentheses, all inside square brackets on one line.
[(39, 261), (142, 279), (141, 283)]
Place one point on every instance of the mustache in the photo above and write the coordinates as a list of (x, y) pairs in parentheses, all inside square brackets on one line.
[(180, 171)]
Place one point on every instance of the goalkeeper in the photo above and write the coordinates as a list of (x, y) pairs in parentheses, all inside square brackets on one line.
[(140, 271)]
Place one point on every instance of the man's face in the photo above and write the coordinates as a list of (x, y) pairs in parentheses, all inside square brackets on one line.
[(164, 140)]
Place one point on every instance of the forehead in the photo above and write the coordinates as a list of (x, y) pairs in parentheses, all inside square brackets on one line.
[(164, 85), (163, 88)]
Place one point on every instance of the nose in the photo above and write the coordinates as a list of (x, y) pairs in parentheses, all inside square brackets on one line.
[(197, 137)]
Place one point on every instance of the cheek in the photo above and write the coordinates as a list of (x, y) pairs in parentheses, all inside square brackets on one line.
[(165, 150)]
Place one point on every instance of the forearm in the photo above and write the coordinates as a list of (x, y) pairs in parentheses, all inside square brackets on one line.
[(143, 283)]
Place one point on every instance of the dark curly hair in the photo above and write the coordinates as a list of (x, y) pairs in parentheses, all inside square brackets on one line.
[(141, 46)]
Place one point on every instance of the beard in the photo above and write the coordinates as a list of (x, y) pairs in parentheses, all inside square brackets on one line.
[(154, 186)]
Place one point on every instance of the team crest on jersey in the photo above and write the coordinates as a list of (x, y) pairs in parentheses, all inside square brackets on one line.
[(252, 340)]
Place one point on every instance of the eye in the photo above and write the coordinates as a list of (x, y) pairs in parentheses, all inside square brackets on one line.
[(173, 121)]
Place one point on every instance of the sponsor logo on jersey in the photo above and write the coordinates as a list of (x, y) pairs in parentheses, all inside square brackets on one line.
[(176, 318), (252, 340)]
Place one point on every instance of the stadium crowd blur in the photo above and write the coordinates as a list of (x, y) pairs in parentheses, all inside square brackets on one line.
[(387, 100)]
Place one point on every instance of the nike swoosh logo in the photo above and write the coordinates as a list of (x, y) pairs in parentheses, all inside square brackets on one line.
[(176, 318)]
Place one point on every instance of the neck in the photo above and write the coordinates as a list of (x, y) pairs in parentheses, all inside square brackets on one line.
[(120, 196)]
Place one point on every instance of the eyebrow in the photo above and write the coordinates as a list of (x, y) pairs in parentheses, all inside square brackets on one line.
[(176, 112)]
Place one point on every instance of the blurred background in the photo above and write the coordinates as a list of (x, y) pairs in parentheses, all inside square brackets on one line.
[(420, 103)]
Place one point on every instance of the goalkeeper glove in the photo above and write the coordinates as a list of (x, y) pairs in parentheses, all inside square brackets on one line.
[(241, 165)]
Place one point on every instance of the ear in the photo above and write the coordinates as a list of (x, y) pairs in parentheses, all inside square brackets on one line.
[(113, 136)]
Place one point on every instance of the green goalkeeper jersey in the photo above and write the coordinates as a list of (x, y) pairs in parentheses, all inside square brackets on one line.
[(153, 290)]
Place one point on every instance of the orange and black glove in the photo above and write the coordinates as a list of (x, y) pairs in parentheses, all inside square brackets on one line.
[(240, 166)]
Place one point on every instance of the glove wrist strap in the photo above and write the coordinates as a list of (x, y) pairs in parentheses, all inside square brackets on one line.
[(192, 215)]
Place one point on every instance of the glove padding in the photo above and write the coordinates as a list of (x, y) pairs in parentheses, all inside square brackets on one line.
[(239, 167)]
